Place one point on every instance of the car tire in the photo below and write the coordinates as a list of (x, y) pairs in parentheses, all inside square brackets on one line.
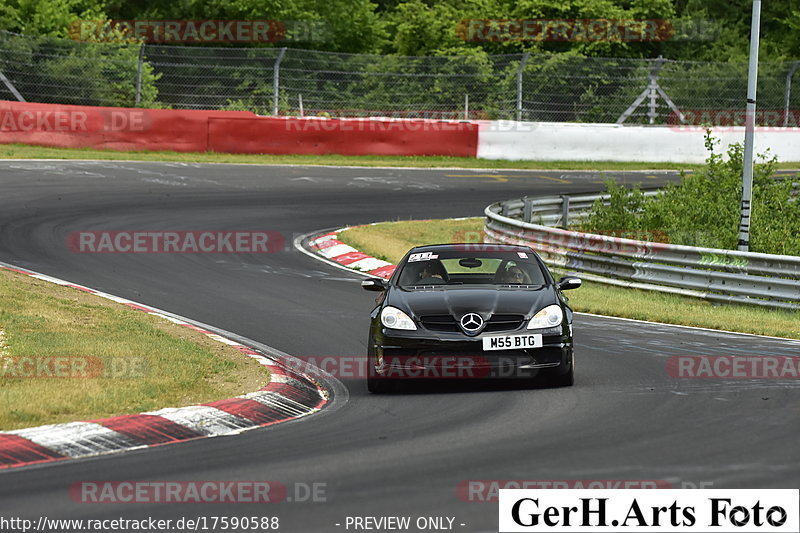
[(567, 379), (377, 385)]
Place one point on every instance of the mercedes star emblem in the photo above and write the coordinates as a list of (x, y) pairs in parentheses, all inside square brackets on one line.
[(471, 323)]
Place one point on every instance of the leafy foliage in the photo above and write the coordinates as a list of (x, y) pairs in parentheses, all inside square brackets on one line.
[(703, 209), (704, 29), (560, 83)]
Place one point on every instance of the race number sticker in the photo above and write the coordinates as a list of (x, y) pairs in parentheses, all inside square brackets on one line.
[(522, 255), (423, 256)]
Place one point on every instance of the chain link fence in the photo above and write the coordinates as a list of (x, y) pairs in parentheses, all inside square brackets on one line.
[(290, 81)]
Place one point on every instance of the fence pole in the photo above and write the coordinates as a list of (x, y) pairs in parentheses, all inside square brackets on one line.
[(276, 81), (11, 87), (654, 75), (466, 106), (565, 211), (652, 89), (300, 101), (749, 131), (789, 76), (522, 63), (138, 97)]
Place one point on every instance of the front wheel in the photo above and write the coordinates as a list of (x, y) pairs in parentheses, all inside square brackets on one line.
[(378, 385), (567, 379)]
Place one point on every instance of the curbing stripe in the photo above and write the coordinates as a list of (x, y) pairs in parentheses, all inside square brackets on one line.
[(15, 450), (368, 264), (204, 419), (290, 395), (279, 403), (350, 258), (342, 255), (251, 410), (150, 430), (304, 396), (77, 439), (384, 271), (336, 250)]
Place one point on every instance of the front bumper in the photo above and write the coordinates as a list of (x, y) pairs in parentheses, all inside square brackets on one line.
[(422, 353)]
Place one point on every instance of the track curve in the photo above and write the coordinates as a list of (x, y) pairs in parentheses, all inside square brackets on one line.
[(388, 455)]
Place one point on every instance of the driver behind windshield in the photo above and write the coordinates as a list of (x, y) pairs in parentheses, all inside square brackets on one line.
[(424, 273), (432, 272), (513, 274)]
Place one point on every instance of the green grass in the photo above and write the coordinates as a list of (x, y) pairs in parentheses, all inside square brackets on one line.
[(19, 151), (112, 360), (390, 241)]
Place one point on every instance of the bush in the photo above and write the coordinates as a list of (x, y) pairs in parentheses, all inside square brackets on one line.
[(703, 209)]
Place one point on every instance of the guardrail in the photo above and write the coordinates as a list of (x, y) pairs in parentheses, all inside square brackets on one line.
[(709, 273), (553, 210)]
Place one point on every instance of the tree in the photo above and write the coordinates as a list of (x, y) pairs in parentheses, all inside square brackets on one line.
[(53, 17)]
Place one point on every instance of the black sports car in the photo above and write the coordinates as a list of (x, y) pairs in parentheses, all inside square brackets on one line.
[(470, 311)]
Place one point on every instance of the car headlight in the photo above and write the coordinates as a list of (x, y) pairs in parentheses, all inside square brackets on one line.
[(393, 318), (549, 317)]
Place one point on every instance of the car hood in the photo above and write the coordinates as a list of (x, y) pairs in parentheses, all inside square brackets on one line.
[(459, 300)]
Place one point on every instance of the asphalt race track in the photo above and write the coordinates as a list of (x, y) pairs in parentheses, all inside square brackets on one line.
[(396, 455)]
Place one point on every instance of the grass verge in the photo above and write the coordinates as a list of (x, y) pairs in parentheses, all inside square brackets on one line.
[(20, 151), (390, 241), (66, 355)]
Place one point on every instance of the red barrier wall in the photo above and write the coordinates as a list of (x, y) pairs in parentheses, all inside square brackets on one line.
[(342, 136), (228, 131), (116, 128)]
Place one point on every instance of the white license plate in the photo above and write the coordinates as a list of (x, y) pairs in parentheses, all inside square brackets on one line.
[(512, 342)]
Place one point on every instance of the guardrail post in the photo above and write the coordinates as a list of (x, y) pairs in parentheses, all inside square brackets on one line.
[(565, 211), (527, 209), (504, 210)]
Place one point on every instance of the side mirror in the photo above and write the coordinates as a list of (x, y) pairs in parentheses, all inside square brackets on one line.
[(568, 283), (374, 284)]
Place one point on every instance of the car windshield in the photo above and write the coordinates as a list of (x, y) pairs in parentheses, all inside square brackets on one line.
[(471, 267)]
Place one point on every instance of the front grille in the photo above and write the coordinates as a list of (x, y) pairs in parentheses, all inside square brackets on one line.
[(440, 323), (503, 323), (450, 324)]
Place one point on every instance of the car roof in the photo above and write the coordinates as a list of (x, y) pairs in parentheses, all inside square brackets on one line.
[(461, 247)]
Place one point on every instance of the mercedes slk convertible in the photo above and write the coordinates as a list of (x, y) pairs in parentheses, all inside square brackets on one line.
[(470, 311)]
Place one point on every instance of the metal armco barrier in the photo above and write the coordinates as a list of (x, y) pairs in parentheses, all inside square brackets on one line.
[(713, 274)]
